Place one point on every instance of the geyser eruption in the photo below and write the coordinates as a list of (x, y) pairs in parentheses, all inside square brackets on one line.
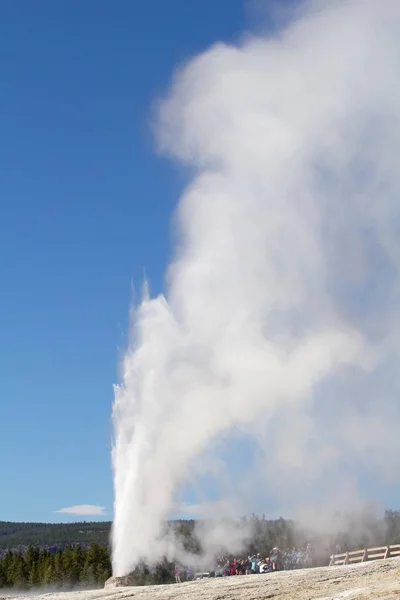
[(281, 315)]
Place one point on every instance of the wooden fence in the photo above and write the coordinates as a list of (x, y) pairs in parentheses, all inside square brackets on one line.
[(357, 556)]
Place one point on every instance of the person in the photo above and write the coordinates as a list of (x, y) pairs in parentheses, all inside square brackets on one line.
[(309, 557), (265, 566), (254, 560), (177, 574), (247, 566), (276, 559)]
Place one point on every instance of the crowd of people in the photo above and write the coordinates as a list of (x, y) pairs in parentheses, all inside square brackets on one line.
[(250, 565), (297, 558), (276, 561)]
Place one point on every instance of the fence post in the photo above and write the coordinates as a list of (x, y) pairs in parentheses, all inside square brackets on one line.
[(346, 560), (365, 555), (332, 561), (387, 553)]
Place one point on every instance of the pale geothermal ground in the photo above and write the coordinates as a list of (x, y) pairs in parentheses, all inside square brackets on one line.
[(373, 580)]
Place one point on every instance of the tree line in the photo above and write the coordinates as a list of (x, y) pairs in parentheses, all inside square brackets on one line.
[(73, 566), (13, 535)]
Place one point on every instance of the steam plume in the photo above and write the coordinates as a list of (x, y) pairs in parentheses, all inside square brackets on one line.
[(281, 314)]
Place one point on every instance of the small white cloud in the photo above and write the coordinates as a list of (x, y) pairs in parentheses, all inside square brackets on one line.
[(83, 509)]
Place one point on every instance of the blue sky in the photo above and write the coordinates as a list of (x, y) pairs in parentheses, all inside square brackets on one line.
[(85, 210), (85, 207)]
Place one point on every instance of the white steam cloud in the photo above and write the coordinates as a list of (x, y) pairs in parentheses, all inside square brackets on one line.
[(281, 319)]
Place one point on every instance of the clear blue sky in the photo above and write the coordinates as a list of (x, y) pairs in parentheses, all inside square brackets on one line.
[(85, 207)]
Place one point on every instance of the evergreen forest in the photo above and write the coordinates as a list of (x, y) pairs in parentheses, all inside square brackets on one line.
[(67, 568)]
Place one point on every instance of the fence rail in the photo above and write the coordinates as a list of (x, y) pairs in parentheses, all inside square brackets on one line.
[(364, 555)]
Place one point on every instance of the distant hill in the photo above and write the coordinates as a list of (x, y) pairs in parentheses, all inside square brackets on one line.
[(14, 535)]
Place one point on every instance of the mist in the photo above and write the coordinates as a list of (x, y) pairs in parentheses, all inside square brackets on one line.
[(280, 320)]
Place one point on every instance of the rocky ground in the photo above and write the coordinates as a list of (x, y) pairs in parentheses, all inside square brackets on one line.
[(367, 581)]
